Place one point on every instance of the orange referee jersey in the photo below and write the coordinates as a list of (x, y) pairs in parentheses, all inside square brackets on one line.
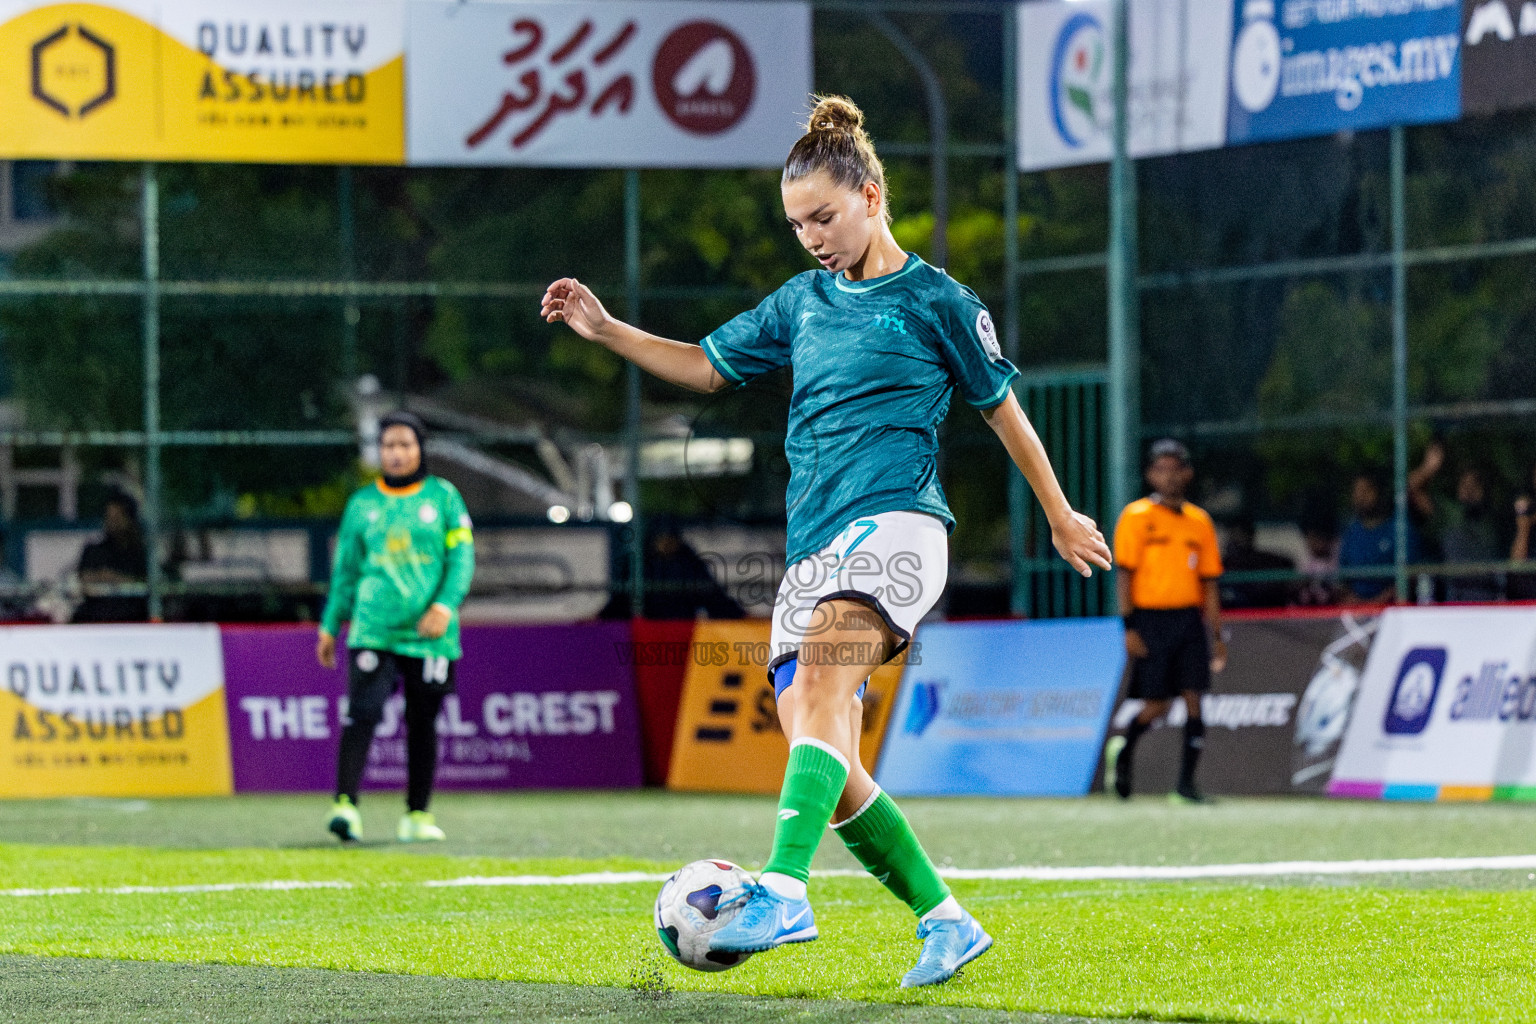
[(1171, 553)]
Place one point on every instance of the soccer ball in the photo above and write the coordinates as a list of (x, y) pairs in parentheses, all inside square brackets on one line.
[(688, 912)]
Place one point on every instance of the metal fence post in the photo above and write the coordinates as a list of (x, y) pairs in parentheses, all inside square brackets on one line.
[(1124, 295), (938, 131), (351, 313), (1399, 361), (150, 230), (1018, 498), (632, 396)]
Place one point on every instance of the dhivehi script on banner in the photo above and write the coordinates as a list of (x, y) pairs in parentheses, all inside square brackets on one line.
[(275, 81), (131, 710)]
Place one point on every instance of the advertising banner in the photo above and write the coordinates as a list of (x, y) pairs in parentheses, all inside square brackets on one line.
[(1275, 717), (1314, 67), (536, 707), (274, 81), (1447, 708), (1178, 80), (112, 711), (1004, 708), (728, 737), (605, 83), (1498, 56)]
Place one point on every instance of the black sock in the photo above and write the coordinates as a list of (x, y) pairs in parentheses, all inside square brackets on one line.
[(356, 738), (1135, 731), (1194, 743), (421, 710)]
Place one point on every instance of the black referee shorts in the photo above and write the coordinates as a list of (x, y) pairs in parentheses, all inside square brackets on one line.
[(1178, 653)]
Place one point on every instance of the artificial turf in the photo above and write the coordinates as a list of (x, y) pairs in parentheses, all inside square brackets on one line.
[(1395, 948)]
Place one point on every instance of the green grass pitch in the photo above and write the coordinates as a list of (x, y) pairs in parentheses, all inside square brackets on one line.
[(1316, 947)]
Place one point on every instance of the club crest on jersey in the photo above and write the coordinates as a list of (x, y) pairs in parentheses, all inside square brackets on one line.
[(891, 321), (988, 335), (367, 661), (428, 513)]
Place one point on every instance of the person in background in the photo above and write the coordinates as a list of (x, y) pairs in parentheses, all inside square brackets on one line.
[(1370, 541), (1522, 587), (117, 559), (1166, 567), (678, 583), (1242, 556), (1468, 535), (1319, 559)]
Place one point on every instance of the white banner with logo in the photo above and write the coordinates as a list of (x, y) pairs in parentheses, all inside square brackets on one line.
[(1178, 79), (606, 84), (1446, 709)]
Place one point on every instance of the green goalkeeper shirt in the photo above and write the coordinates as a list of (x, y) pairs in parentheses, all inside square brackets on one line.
[(399, 553)]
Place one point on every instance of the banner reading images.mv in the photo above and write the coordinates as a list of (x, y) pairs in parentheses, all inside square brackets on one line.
[(279, 81), (112, 711)]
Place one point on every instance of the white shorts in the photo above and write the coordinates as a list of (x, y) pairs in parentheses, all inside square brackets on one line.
[(894, 562)]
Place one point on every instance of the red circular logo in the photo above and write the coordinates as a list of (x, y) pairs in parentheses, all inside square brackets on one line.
[(704, 78)]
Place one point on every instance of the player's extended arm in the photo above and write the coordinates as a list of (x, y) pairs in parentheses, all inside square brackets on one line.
[(1135, 646), (346, 569), (1076, 537), (682, 364)]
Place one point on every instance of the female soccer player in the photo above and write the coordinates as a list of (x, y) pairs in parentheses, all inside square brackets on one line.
[(404, 560), (878, 340)]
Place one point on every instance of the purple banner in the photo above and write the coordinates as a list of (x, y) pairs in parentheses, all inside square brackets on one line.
[(537, 707)]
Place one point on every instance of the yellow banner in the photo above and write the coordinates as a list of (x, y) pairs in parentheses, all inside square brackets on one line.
[(728, 737), (206, 80), (113, 711)]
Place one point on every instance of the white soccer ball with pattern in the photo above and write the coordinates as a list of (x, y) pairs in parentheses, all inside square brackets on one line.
[(689, 911)]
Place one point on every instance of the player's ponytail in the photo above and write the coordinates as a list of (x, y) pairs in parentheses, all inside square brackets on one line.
[(835, 142)]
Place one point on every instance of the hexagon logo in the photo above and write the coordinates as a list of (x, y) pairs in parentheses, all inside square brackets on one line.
[(74, 71)]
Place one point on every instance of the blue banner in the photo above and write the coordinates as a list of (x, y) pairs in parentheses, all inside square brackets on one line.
[(1004, 708), (1323, 66)]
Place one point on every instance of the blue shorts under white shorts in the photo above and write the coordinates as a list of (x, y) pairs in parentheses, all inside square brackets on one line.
[(895, 563)]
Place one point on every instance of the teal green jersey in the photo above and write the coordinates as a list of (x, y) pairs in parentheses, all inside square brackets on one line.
[(399, 553), (874, 363)]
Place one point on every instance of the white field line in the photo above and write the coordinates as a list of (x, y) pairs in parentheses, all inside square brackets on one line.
[(1130, 873)]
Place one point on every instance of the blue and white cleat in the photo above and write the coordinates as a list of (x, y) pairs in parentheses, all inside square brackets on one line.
[(947, 947), (766, 920)]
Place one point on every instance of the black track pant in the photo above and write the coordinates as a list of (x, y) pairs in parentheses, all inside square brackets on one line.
[(372, 679)]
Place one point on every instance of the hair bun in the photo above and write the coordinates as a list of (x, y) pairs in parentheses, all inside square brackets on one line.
[(835, 114)]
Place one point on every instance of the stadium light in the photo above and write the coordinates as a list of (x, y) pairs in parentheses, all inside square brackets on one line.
[(621, 512), (558, 514)]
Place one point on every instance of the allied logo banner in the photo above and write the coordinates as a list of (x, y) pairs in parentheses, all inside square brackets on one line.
[(1314, 67), (1177, 80), (274, 81), (606, 83), (1447, 708), (1004, 708), (728, 737), (112, 711)]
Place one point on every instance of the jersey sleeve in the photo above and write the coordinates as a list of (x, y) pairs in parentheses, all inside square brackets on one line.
[(1128, 542), (459, 553), (754, 342), (346, 569), (970, 347), (1210, 552)]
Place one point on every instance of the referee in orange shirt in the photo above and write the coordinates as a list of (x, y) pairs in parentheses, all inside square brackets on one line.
[(1167, 563)]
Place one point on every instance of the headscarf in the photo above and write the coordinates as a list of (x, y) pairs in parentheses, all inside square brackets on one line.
[(401, 418)]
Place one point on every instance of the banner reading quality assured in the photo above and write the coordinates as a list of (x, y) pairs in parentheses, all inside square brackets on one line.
[(1004, 709), (112, 711), (1447, 708), (274, 81), (607, 83), (1178, 76), (1314, 67), (536, 707)]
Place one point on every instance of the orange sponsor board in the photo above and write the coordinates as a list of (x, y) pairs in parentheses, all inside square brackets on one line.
[(275, 81), (113, 711), (728, 737)]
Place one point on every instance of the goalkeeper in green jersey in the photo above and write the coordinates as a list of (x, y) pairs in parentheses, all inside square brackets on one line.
[(404, 560)]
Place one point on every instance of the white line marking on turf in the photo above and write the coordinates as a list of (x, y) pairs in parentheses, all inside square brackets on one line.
[(1131, 873)]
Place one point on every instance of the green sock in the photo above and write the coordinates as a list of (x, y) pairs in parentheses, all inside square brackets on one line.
[(812, 783), (885, 844)]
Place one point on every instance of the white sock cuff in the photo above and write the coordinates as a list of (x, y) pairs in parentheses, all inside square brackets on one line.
[(820, 745), (866, 805)]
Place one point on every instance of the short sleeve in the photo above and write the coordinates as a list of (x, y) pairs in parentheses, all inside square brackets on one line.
[(753, 343), (1210, 553), (1128, 542), (969, 342)]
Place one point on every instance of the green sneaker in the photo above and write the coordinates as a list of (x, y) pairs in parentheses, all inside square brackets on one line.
[(344, 820), (1189, 795), (419, 827), (1117, 777)]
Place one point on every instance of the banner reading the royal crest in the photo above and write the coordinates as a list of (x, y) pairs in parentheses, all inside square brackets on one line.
[(277, 81), (133, 710)]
